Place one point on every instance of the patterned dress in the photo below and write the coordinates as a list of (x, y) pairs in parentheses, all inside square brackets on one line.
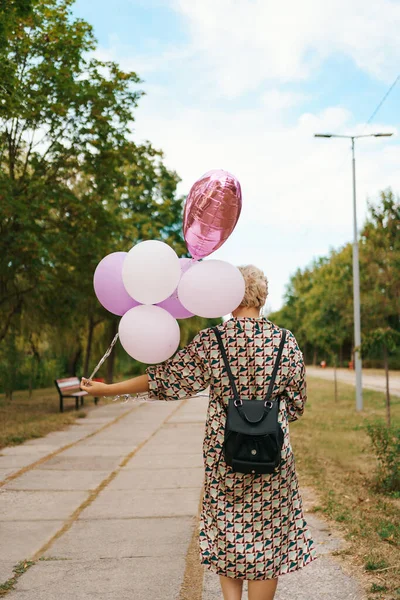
[(252, 525)]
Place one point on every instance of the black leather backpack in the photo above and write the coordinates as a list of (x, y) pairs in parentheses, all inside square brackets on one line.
[(253, 437)]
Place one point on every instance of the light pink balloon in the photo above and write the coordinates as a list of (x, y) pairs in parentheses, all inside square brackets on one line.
[(211, 288), (212, 210), (149, 334), (108, 284), (151, 271), (172, 304)]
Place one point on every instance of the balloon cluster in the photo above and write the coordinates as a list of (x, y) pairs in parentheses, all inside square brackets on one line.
[(150, 287)]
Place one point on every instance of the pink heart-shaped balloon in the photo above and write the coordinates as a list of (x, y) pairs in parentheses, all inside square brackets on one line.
[(212, 210)]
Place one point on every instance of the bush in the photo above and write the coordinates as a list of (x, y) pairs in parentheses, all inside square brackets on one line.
[(386, 445)]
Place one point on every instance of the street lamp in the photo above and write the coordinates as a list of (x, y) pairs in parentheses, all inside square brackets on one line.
[(356, 266)]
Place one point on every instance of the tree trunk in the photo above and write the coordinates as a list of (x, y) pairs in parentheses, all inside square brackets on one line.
[(341, 355), (386, 365), (111, 358), (88, 349), (335, 377), (314, 362), (34, 367), (73, 362)]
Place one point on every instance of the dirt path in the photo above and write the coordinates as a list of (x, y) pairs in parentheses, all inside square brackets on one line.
[(370, 381)]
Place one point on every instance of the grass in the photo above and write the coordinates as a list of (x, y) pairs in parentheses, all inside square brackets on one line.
[(25, 418), (334, 455), (18, 570)]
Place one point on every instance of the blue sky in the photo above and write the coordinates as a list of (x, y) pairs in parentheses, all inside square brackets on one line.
[(243, 85)]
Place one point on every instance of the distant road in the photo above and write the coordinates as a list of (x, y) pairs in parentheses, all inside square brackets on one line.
[(372, 381)]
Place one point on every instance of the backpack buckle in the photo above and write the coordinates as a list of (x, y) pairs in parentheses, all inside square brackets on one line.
[(238, 402), (268, 404)]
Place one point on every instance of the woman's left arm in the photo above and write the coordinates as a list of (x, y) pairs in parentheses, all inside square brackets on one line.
[(296, 387), (136, 385), (181, 376)]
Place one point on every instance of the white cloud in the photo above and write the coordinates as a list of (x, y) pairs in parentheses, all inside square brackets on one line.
[(297, 194), (246, 43), (221, 102), (277, 101)]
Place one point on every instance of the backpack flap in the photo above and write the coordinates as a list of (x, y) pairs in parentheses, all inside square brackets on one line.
[(252, 417)]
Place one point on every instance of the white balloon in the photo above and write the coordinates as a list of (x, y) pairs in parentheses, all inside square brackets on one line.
[(211, 288), (149, 334), (151, 272)]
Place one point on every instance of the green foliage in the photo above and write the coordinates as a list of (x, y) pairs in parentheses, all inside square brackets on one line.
[(10, 12), (386, 445), (74, 186), (319, 299), (374, 564), (375, 587)]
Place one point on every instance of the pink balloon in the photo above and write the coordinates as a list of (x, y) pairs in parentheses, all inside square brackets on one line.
[(149, 334), (151, 271), (212, 210), (212, 288), (108, 284), (172, 304)]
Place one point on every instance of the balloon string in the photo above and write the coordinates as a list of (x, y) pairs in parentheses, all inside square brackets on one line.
[(106, 355), (141, 397)]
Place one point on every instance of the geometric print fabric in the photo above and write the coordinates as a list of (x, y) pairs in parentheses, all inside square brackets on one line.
[(252, 526)]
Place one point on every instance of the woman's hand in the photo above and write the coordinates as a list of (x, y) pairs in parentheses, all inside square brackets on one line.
[(95, 388)]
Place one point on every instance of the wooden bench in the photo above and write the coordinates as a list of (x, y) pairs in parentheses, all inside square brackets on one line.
[(69, 388)]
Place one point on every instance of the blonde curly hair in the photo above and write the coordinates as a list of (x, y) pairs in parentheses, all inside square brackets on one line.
[(256, 287)]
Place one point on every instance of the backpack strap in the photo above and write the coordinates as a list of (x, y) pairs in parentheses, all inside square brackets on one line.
[(228, 369), (276, 366)]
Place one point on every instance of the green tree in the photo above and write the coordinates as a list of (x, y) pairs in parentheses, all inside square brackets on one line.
[(74, 186), (380, 264), (65, 116), (11, 12)]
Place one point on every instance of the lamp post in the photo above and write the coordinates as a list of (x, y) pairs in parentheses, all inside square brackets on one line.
[(356, 266)]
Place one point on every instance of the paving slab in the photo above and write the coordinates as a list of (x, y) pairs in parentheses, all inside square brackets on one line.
[(6, 569), (136, 479), (16, 461), (32, 451), (142, 460), (112, 439), (186, 419), (83, 450), (122, 538), (37, 506), (38, 479), (19, 541), (58, 439), (157, 578), (6, 472), (142, 503), (82, 463), (176, 447)]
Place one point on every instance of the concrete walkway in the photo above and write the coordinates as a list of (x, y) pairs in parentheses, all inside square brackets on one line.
[(108, 508), (369, 381)]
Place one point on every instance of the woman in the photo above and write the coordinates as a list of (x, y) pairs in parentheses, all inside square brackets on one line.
[(252, 526)]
